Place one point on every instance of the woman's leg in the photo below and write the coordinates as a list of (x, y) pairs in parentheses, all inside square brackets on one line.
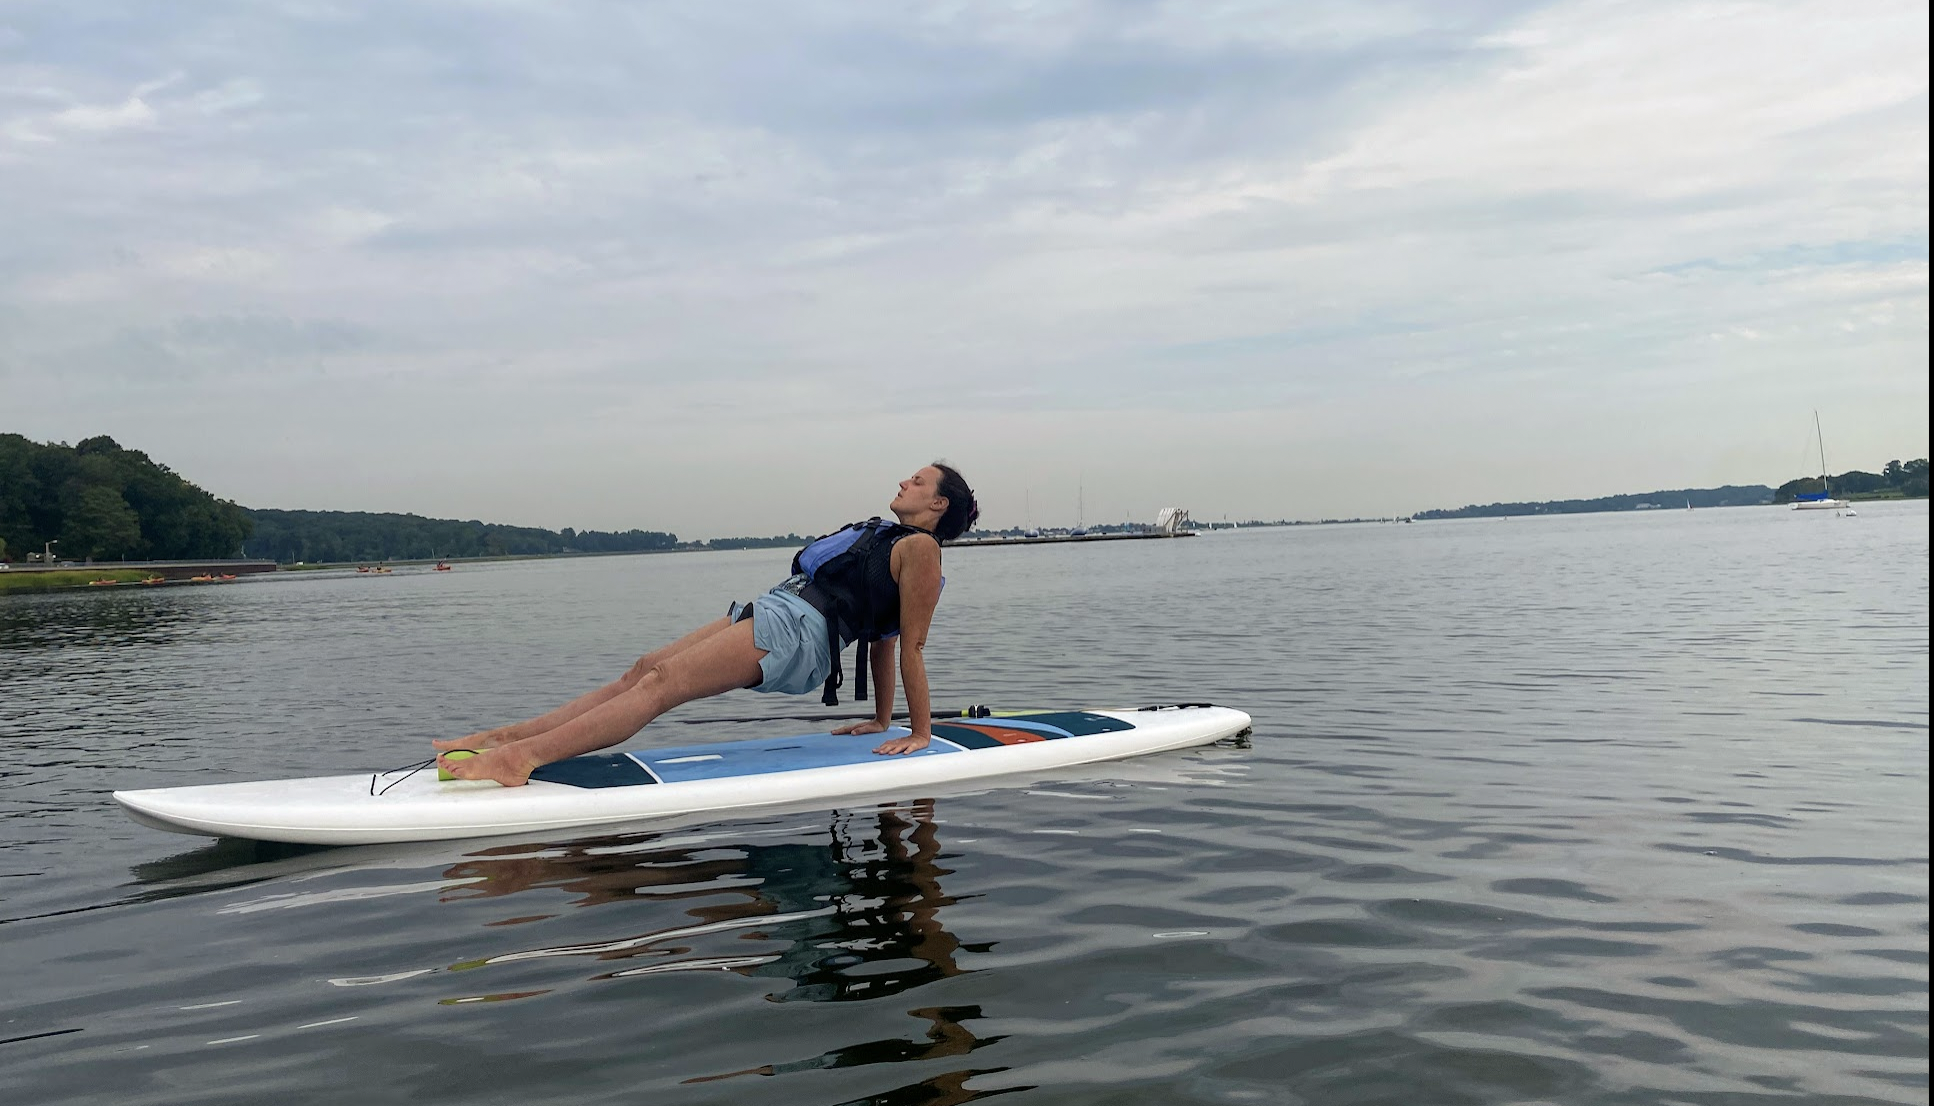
[(716, 664), (518, 731)]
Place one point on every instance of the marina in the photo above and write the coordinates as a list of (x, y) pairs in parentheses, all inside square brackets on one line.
[(1053, 539), (1170, 522)]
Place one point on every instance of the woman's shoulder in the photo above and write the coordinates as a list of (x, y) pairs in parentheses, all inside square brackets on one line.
[(919, 545)]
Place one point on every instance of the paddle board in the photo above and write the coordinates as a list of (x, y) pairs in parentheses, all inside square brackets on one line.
[(647, 783)]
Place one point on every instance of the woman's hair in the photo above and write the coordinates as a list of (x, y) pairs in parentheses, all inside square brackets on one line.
[(961, 508)]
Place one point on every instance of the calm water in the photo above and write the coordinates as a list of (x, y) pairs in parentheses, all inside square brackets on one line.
[(1605, 809)]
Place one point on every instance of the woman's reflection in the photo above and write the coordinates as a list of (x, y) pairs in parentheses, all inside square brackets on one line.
[(859, 913)]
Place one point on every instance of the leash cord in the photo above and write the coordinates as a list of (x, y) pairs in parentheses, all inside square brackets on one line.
[(408, 770)]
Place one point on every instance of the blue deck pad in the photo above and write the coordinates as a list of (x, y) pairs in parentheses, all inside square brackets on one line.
[(725, 759), (606, 770)]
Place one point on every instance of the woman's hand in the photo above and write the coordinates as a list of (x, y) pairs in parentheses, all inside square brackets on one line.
[(871, 725), (912, 743)]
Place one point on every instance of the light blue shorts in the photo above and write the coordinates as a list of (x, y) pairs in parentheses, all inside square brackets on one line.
[(793, 635)]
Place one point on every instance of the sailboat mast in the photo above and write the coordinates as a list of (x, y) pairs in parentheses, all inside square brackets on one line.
[(1821, 437)]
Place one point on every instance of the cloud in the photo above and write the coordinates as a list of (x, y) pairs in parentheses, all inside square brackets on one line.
[(627, 238)]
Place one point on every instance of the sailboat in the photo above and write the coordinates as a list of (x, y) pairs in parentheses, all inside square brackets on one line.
[(1823, 499)]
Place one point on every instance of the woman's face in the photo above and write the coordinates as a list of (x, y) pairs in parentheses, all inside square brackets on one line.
[(920, 492)]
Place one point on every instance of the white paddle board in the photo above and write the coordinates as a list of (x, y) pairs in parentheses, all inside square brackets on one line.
[(621, 787)]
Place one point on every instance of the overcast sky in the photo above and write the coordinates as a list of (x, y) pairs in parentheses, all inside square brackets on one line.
[(730, 269)]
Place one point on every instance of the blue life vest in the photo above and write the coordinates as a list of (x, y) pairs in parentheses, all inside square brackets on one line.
[(850, 581)]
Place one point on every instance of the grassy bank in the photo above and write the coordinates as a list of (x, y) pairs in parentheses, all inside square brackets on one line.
[(16, 582)]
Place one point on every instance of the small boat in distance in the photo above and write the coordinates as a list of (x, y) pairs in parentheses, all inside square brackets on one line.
[(1823, 499)]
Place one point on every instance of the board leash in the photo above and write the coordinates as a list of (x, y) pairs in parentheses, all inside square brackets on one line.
[(408, 770)]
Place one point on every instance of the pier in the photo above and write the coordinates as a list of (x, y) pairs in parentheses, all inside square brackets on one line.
[(1050, 539), (1170, 522)]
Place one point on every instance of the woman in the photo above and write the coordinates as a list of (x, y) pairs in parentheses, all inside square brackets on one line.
[(867, 582)]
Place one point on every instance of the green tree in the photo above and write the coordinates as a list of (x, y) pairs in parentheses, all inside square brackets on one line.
[(1855, 482), (1914, 478), (1792, 489), (101, 525), (52, 493), (19, 491), (1894, 474)]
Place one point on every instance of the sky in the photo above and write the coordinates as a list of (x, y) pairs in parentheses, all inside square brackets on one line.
[(733, 270)]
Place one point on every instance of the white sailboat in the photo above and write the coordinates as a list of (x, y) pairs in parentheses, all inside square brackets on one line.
[(1823, 500)]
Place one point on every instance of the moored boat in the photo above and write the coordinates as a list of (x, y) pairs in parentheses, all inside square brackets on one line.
[(1823, 499)]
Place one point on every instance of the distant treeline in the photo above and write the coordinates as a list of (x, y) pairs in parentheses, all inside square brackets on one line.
[(785, 541), (1908, 481), (97, 500), (332, 536), (1732, 495)]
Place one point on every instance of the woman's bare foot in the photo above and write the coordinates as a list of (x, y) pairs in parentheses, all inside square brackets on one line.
[(507, 765), (481, 740)]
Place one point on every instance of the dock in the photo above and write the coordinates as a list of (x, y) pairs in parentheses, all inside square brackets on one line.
[(1053, 539), (1170, 522)]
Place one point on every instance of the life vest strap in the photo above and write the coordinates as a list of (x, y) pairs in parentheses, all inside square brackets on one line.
[(818, 600)]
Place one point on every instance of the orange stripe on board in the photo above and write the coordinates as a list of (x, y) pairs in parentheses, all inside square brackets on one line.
[(1004, 735)]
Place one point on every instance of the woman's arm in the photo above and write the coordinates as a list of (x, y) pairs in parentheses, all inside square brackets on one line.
[(916, 568), (880, 662), (881, 659)]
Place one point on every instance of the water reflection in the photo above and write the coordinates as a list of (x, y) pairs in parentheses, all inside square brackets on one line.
[(33, 623), (855, 916), (859, 911), (945, 1037), (220, 859)]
